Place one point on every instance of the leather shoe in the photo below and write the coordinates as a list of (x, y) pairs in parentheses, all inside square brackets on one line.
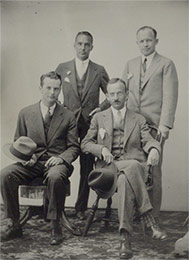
[(11, 232), (158, 233), (56, 234), (125, 247), (81, 215)]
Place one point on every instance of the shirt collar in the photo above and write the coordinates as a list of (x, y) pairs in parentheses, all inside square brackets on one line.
[(79, 62), (44, 108), (149, 57), (123, 111)]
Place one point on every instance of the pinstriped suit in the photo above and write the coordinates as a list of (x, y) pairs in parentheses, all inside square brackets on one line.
[(61, 141)]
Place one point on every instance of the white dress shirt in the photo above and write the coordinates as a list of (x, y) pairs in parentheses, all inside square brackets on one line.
[(123, 111), (149, 59), (81, 66), (44, 109)]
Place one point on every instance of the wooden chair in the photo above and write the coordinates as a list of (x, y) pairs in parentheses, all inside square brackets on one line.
[(34, 197), (106, 218)]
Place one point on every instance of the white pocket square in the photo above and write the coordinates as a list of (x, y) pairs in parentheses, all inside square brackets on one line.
[(66, 79), (129, 75), (102, 133)]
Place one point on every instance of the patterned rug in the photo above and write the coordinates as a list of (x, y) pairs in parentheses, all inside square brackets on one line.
[(100, 243)]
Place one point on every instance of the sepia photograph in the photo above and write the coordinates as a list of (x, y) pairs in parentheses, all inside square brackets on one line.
[(94, 130)]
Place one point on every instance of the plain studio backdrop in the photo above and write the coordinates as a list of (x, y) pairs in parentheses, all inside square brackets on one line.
[(37, 36)]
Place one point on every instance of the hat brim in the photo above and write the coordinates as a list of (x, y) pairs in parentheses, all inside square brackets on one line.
[(110, 193), (107, 194), (6, 150)]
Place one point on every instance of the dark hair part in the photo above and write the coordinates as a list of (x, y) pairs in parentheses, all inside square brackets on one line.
[(115, 80), (51, 75), (86, 34), (148, 27)]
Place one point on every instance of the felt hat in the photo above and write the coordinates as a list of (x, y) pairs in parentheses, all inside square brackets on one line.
[(21, 150), (103, 181)]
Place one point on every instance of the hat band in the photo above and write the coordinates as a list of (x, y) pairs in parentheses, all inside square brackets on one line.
[(19, 154)]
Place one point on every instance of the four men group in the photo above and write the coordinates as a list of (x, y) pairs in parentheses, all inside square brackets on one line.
[(118, 136)]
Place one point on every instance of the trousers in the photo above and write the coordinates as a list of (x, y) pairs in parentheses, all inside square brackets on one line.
[(55, 178), (132, 193)]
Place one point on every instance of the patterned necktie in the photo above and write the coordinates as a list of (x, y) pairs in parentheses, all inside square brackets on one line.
[(47, 118), (144, 65)]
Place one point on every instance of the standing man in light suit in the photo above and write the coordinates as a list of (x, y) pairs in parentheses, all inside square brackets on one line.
[(153, 92), (82, 80)]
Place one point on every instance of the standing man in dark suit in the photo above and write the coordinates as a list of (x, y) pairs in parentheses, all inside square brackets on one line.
[(53, 131), (153, 92), (82, 80)]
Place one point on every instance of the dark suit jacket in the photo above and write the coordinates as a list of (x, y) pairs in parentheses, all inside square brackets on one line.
[(137, 139), (158, 99), (97, 78), (62, 138)]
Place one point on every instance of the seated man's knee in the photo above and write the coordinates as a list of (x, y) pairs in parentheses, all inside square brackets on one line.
[(135, 164), (121, 179), (6, 174), (57, 173)]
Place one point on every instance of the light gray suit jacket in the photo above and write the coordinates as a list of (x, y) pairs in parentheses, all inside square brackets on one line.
[(158, 99), (137, 138)]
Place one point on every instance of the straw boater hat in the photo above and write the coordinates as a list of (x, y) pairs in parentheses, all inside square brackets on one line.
[(103, 181), (21, 150)]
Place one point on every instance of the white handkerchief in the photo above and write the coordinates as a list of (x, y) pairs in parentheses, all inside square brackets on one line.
[(129, 75), (66, 79), (102, 133)]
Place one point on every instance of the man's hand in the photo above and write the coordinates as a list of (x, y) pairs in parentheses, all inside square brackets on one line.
[(153, 157), (96, 110), (53, 161), (31, 162), (107, 156), (164, 131)]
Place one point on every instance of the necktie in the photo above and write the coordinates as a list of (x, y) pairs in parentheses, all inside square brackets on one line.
[(82, 70), (47, 118), (144, 65), (118, 120)]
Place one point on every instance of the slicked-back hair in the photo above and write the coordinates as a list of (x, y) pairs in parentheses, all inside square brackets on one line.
[(51, 75), (86, 34), (115, 80), (147, 27)]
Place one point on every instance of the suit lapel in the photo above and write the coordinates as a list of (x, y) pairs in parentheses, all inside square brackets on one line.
[(91, 75), (108, 125), (55, 122), (37, 118), (137, 71), (152, 69), (130, 123), (72, 76)]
